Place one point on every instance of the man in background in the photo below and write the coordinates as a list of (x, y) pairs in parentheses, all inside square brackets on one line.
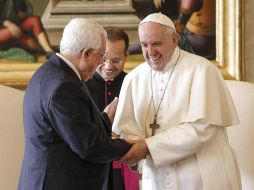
[(104, 86)]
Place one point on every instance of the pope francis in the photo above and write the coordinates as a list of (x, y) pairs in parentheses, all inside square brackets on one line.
[(175, 108)]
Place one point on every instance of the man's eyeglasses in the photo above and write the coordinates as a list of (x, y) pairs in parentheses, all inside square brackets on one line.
[(113, 61)]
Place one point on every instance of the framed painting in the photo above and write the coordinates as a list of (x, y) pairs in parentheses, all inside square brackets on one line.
[(229, 49)]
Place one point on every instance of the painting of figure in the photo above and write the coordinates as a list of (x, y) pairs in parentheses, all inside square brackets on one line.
[(21, 33)]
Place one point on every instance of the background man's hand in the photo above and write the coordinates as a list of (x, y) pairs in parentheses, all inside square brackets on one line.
[(111, 109)]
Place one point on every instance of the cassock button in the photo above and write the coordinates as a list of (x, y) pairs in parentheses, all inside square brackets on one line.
[(109, 82), (109, 93)]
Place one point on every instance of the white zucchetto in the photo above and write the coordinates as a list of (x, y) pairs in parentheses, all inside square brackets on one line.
[(159, 18)]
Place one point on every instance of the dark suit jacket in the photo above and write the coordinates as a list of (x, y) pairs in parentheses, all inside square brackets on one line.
[(67, 145)]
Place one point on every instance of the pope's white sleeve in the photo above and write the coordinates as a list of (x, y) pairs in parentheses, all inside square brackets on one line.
[(179, 142)]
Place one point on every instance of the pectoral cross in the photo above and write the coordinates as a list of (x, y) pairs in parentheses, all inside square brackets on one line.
[(154, 126)]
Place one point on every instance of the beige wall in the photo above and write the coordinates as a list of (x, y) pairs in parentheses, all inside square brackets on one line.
[(249, 40)]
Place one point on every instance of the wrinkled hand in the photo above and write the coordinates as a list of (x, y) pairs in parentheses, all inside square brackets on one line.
[(14, 29), (111, 109), (138, 151)]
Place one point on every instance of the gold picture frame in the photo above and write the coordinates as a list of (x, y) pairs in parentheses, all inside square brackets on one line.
[(230, 38), (229, 49)]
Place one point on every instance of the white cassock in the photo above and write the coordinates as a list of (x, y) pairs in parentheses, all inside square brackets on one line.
[(190, 150)]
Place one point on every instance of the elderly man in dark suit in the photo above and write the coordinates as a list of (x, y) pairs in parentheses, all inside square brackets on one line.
[(68, 142)]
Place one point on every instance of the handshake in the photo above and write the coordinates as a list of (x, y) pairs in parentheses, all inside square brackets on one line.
[(138, 151)]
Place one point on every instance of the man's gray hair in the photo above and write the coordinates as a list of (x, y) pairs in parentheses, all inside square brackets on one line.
[(81, 33)]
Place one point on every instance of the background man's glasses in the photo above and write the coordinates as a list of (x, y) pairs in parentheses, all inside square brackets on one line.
[(113, 61)]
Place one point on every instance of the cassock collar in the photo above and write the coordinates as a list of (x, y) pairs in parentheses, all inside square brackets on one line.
[(118, 78)]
